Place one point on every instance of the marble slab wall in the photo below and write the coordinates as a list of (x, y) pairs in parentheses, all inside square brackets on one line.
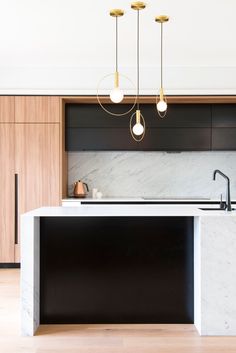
[(153, 174)]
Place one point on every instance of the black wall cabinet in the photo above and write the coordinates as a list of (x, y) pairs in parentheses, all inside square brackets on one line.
[(187, 127), (224, 127)]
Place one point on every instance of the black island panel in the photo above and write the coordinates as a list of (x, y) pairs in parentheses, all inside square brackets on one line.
[(116, 270)]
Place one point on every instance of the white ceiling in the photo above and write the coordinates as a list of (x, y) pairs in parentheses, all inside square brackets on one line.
[(68, 44)]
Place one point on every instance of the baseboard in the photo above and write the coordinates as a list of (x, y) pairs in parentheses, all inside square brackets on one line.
[(9, 265)]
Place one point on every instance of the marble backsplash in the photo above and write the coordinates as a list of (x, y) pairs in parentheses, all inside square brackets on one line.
[(153, 174)]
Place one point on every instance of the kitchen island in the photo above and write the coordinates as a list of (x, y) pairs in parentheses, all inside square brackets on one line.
[(208, 235)]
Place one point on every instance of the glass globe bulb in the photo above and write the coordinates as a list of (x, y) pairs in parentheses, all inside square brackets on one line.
[(116, 95), (161, 106), (138, 129)]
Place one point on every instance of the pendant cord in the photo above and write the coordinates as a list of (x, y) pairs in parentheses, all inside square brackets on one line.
[(138, 59), (116, 44), (161, 55)]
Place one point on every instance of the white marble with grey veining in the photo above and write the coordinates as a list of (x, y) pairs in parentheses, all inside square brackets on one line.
[(153, 174), (125, 210), (30, 312), (218, 276), (214, 261)]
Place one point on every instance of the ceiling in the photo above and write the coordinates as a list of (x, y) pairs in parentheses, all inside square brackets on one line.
[(68, 45)]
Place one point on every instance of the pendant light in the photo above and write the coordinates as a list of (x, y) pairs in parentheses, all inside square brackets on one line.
[(137, 127), (116, 93), (161, 102)]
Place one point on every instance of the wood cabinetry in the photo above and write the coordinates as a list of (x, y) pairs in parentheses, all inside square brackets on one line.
[(37, 165), (30, 164), (7, 113), (7, 200), (37, 151), (37, 109)]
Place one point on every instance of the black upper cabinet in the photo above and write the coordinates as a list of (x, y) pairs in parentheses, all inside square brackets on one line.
[(176, 139), (178, 116), (99, 139), (224, 127), (224, 115), (224, 139), (93, 116), (186, 127)]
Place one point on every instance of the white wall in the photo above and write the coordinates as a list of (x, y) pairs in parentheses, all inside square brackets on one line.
[(59, 47), (155, 174)]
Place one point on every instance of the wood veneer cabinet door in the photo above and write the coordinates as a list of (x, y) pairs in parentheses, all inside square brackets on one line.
[(7, 193), (37, 149), (7, 109), (37, 109)]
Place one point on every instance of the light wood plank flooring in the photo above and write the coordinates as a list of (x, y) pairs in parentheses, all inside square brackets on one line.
[(97, 338)]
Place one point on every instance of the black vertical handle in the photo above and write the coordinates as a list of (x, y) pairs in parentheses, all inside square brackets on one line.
[(86, 186), (16, 208)]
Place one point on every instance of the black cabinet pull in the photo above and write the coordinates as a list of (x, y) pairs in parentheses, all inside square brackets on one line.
[(16, 208)]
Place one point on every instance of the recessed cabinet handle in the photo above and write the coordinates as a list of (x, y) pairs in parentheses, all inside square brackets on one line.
[(16, 208)]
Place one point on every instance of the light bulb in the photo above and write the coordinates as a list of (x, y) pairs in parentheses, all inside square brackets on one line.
[(161, 106), (116, 95), (138, 129)]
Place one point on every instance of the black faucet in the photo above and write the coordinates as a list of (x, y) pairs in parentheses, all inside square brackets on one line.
[(228, 199)]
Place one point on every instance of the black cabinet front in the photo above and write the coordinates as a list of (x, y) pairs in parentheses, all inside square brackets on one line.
[(224, 127), (116, 270), (102, 139), (187, 127), (176, 139), (224, 139)]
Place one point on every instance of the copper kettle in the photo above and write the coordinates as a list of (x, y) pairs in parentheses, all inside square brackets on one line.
[(80, 189)]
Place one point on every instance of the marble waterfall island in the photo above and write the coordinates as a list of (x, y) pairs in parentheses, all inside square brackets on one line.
[(129, 263)]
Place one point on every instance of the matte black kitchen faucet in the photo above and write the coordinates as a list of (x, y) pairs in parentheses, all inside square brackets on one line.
[(228, 199)]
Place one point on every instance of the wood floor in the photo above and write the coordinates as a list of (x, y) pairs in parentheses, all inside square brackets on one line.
[(97, 338)]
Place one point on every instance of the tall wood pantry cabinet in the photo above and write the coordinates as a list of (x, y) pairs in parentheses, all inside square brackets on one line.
[(30, 164)]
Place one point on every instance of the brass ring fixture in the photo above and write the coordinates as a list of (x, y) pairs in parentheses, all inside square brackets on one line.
[(102, 106)]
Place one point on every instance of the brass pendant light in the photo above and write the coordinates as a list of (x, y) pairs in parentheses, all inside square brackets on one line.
[(161, 102), (137, 127), (137, 121), (116, 94)]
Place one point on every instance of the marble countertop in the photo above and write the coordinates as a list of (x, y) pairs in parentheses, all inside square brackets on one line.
[(214, 259), (139, 199), (124, 200), (128, 210)]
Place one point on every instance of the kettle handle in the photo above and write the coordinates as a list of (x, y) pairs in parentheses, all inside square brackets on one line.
[(86, 186)]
